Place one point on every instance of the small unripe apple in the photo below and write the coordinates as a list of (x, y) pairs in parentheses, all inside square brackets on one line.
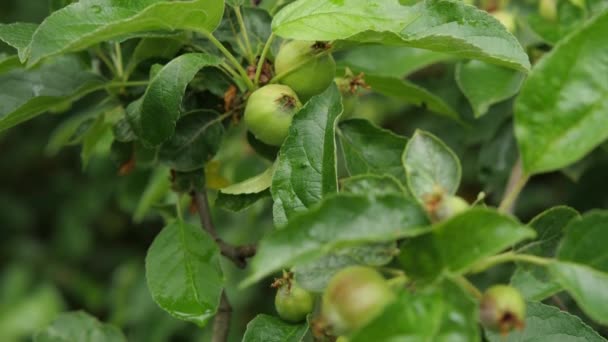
[(353, 297), (307, 70), (293, 303), (269, 113), (502, 308)]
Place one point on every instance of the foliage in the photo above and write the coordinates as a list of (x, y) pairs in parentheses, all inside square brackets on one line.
[(191, 216)]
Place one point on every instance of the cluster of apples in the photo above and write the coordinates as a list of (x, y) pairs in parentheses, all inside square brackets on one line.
[(303, 69)]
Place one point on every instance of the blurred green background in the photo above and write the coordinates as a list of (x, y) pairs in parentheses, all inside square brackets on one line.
[(69, 241)]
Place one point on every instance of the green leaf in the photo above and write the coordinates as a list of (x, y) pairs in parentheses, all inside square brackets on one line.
[(155, 115), (549, 226), (239, 202), (447, 26), (306, 168), (19, 36), (96, 21), (585, 241), (98, 138), (486, 84), (66, 132), (586, 285), (58, 4), (388, 61), (560, 114), (157, 188), (533, 281), (184, 274), (79, 326), (476, 234), (315, 276), (430, 166), (24, 309), (145, 157), (153, 47), (372, 185), (196, 140), (24, 94), (254, 184), (498, 152), (8, 63), (338, 221), (438, 313), (264, 328), (371, 149), (410, 93), (239, 196), (546, 323), (460, 242)]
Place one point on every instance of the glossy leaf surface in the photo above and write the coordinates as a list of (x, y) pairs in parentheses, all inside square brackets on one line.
[(95, 21), (431, 166), (264, 328), (371, 149), (441, 25), (183, 272), (306, 168), (562, 123), (338, 221)]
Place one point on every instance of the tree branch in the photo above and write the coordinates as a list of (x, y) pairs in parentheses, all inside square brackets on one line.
[(221, 324), (238, 254)]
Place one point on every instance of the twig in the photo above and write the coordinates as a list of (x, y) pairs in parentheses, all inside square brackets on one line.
[(102, 56), (468, 286), (239, 17), (126, 84), (221, 324), (237, 254), (258, 69), (516, 183), (118, 62), (235, 63), (508, 257)]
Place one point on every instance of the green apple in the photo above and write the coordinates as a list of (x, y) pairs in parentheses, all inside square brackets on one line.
[(502, 308), (353, 297), (293, 303), (306, 69), (269, 113)]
